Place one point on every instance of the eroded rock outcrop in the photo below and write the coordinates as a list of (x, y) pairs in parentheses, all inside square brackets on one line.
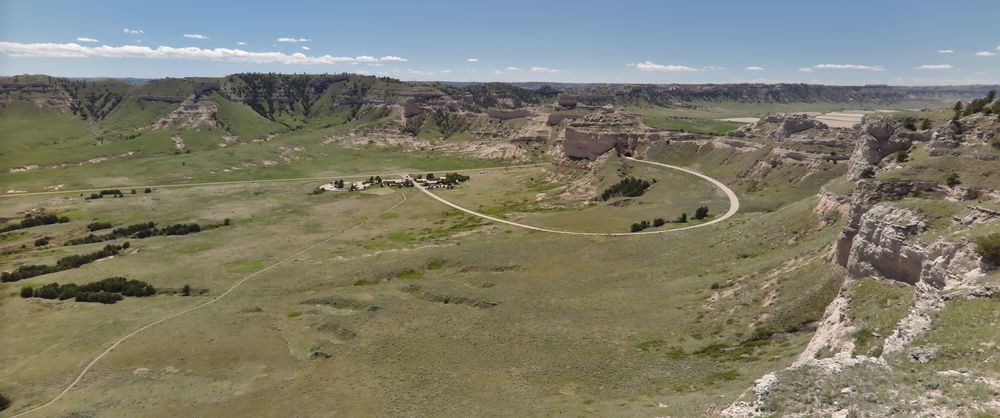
[(604, 130), (779, 126)]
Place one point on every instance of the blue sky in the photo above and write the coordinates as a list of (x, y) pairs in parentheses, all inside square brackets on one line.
[(835, 42)]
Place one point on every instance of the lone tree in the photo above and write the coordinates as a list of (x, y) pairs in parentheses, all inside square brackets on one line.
[(958, 110), (701, 213), (186, 291)]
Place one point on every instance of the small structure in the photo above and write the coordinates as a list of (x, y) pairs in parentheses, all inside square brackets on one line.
[(396, 182)]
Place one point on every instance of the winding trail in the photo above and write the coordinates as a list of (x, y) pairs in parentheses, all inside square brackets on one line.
[(734, 206), (114, 345)]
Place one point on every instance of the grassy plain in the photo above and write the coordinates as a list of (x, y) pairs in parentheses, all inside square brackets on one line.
[(420, 310)]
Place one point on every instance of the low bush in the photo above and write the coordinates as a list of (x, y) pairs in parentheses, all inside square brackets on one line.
[(988, 247)]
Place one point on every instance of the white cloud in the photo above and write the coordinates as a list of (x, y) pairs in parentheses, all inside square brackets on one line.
[(304, 48), (241, 43), (392, 58), (86, 40), (543, 70), (73, 50), (195, 36), (666, 68), (857, 67), (935, 67), (132, 31), (985, 54), (946, 51), (714, 68), (377, 65), (473, 60), (293, 40), (513, 69), (445, 71), (754, 68), (806, 69), (418, 72), (498, 72)]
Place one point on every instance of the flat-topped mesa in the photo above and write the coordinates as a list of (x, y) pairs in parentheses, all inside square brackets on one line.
[(606, 129)]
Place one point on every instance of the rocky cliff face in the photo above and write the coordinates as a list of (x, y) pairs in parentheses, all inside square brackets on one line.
[(878, 239), (604, 130)]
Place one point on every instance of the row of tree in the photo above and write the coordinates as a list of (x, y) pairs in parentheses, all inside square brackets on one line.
[(699, 214), (69, 262), (33, 221), (138, 231), (109, 290)]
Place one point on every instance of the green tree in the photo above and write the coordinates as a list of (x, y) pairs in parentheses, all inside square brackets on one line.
[(701, 213), (186, 290), (958, 110), (988, 247), (27, 292)]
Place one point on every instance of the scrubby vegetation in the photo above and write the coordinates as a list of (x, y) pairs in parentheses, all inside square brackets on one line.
[(627, 187), (97, 226), (65, 263), (107, 192), (988, 247), (107, 291), (4, 402), (32, 221), (138, 231)]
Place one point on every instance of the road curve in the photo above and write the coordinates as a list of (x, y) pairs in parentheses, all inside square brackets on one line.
[(734, 206), (199, 305)]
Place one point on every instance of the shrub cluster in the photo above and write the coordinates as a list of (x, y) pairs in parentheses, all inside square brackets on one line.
[(108, 291), (97, 226), (987, 105), (700, 213), (454, 178), (138, 231), (628, 187), (32, 221), (65, 263), (988, 247), (107, 192)]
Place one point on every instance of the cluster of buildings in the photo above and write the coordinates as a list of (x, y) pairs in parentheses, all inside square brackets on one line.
[(430, 182)]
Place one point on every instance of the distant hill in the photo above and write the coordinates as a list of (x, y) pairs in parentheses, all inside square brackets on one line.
[(115, 107)]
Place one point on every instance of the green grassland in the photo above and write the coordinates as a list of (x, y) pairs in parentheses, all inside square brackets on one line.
[(524, 196), (698, 126), (421, 309)]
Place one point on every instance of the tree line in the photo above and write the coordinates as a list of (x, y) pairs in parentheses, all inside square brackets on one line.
[(69, 262), (699, 214), (33, 221), (138, 231), (107, 291)]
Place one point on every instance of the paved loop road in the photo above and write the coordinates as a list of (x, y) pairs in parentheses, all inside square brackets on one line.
[(734, 206)]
